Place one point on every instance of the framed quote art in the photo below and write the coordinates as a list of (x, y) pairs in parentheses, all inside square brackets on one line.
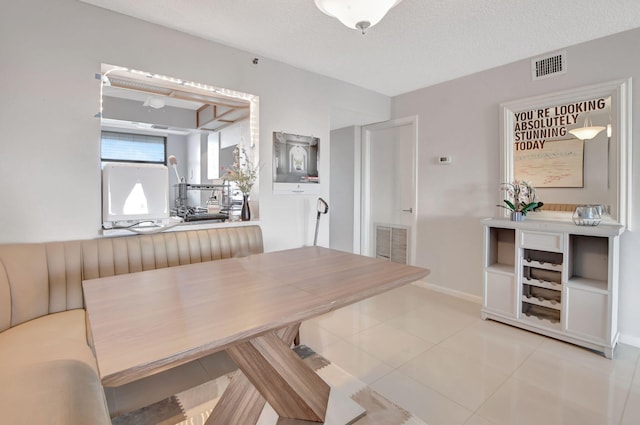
[(542, 142)]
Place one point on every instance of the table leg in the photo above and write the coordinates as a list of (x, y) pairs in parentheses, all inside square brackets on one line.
[(270, 370), (241, 403), (292, 388)]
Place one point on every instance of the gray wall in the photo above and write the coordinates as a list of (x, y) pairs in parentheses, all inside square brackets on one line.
[(460, 118)]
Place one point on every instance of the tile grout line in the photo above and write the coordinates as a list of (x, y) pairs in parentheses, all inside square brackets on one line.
[(435, 391), (509, 376), (626, 400), (396, 369)]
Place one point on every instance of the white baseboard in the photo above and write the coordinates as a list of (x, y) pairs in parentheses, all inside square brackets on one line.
[(629, 340), (458, 294)]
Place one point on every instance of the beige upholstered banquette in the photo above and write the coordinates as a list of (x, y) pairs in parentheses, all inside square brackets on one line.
[(48, 373)]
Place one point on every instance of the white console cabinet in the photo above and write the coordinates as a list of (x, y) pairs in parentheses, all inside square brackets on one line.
[(554, 278)]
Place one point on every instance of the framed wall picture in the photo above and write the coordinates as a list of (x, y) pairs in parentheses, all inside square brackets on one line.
[(295, 163), (559, 164)]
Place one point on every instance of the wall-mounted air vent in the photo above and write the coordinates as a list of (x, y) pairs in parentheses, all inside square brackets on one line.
[(549, 65), (392, 243)]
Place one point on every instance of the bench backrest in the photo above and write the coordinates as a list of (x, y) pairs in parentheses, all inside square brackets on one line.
[(42, 278)]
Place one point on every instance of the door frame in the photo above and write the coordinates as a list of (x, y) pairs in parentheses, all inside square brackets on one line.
[(362, 236)]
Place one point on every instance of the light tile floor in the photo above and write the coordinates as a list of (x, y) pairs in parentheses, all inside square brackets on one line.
[(433, 355)]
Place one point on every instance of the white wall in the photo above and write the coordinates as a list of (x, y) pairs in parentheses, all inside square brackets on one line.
[(342, 171), (49, 151), (460, 118)]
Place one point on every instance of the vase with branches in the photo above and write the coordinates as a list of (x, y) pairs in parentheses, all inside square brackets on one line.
[(243, 173)]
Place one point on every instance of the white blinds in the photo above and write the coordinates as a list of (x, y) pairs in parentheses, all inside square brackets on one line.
[(127, 147)]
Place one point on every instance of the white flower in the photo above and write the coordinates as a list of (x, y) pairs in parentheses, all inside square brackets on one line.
[(521, 196)]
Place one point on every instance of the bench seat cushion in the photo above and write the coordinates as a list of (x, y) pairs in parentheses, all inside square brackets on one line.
[(48, 373)]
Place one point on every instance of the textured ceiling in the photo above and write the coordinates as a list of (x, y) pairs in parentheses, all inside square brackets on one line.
[(418, 44)]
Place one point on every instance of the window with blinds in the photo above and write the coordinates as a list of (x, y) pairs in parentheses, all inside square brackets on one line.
[(128, 147)]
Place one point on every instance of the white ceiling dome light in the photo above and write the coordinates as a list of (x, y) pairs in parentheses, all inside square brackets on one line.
[(357, 14), (154, 102)]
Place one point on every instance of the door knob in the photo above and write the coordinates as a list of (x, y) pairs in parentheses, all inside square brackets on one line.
[(410, 210)]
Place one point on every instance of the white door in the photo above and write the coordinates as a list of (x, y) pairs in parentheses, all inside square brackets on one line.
[(389, 184)]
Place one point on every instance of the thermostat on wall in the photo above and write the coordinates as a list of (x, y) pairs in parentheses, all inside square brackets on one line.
[(444, 160)]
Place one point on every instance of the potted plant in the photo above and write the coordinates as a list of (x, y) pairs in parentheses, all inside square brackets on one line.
[(244, 174), (521, 198)]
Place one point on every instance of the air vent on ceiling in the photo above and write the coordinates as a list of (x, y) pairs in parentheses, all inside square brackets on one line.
[(549, 65)]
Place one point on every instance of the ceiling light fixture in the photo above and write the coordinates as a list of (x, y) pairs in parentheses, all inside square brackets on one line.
[(357, 14), (154, 102), (588, 131)]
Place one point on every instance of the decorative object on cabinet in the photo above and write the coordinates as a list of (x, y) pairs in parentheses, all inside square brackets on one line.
[(553, 278), (587, 215), (522, 198)]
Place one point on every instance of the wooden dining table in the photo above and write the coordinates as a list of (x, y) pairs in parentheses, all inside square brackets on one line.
[(147, 322)]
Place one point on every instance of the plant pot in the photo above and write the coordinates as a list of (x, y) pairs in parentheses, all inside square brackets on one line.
[(517, 216)]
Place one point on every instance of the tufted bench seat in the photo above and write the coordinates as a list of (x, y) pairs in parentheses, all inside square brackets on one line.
[(48, 372)]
